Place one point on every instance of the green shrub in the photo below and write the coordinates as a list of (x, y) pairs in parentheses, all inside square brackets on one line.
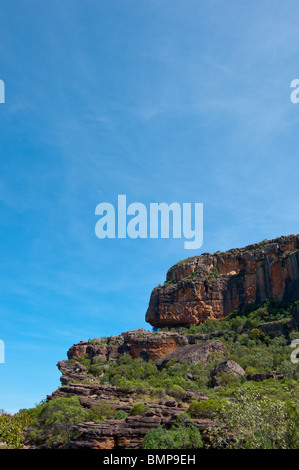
[(12, 428), (214, 271), (180, 436), (256, 422), (168, 283), (94, 341), (255, 333), (53, 422), (251, 370), (120, 414), (199, 408), (177, 392), (138, 409), (95, 370), (288, 369), (84, 359), (159, 392), (103, 409)]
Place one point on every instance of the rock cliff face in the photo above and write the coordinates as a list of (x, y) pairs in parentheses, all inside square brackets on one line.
[(212, 286), (202, 287)]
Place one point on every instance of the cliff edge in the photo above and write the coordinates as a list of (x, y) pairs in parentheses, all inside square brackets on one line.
[(211, 286)]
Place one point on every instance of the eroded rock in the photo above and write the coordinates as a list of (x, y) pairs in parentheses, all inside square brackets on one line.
[(212, 286)]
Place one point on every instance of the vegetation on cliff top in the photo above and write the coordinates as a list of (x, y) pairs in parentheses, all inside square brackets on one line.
[(249, 248)]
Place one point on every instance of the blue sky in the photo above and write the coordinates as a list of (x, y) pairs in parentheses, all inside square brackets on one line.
[(164, 101)]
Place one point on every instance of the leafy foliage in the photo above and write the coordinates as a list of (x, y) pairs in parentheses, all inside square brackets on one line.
[(204, 408), (256, 422), (138, 409), (120, 414), (52, 422), (12, 428), (180, 436), (103, 410)]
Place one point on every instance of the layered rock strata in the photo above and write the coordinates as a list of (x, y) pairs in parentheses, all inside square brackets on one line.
[(202, 287), (212, 286)]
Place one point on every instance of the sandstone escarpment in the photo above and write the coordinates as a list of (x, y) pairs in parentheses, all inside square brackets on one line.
[(212, 286)]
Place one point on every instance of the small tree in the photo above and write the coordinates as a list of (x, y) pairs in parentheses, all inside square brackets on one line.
[(177, 392), (56, 418)]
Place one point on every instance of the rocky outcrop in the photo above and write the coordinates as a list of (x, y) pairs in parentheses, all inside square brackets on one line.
[(114, 434), (90, 394), (137, 343), (156, 346), (279, 328), (259, 377), (212, 286), (123, 434), (229, 367), (194, 354)]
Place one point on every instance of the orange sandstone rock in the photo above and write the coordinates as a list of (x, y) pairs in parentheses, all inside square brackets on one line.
[(212, 286)]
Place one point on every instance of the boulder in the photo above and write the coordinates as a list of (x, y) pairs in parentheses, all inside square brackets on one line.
[(230, 367)]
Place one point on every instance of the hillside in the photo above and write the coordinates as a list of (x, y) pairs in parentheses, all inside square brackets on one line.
[(217, 373)]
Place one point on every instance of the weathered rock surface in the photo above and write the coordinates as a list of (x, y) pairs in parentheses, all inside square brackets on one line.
[(137, 343), (127, 433), (194, 354), (212, 286), (113, 434), (279, 328), (230, 367)]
